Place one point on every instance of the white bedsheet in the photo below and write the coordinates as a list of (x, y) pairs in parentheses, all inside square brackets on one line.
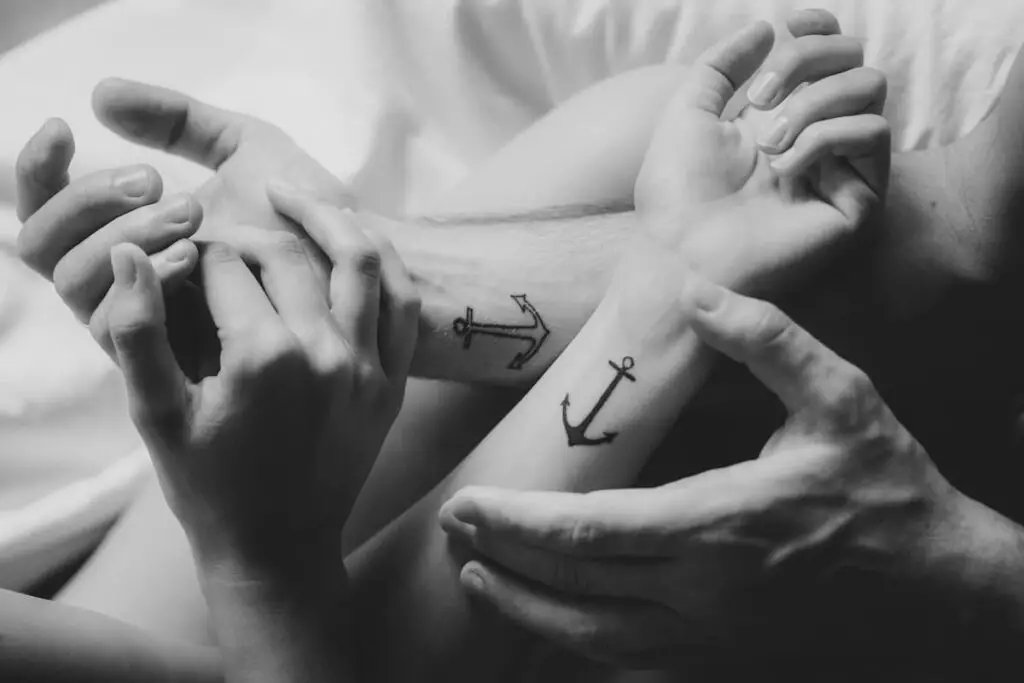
[(402, 97)]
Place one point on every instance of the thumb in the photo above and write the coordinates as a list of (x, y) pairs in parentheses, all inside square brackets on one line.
[(137, 322), (786, 358), (167, 119), (722, 68)]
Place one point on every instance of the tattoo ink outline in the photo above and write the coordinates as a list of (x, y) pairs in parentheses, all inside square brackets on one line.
[(467, 327), (578, 433)]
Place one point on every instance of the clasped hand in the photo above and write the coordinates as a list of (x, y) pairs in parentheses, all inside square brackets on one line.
[(263, 458)]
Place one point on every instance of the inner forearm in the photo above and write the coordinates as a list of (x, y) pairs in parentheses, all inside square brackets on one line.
[(589, 423), (503, 297)]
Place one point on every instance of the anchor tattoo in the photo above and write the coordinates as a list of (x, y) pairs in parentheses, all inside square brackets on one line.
[(535, 332), (578, 433)]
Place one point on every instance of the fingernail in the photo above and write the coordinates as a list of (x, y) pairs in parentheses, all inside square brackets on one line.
[(763, 89), (134, 183), (472, 578), (176, 253), (706, 295), (177, 209), (123, 265), (775, 135)]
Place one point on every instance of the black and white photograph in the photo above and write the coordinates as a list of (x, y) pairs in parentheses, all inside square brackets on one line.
[(511, 341)]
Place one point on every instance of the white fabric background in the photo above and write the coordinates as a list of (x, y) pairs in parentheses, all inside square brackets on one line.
[(401, 97)]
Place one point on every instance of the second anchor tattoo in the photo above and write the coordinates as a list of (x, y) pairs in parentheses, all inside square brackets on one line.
[(535, 332), (578, 433)]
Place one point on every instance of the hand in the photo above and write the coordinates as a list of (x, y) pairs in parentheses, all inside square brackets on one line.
[(265, 455), (244, 152), (748, 200), (70, 226), (834, 541), (361, 258)]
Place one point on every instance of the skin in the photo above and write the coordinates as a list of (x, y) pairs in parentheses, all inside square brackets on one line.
[(756, 43), (838, 536), (932, 247)]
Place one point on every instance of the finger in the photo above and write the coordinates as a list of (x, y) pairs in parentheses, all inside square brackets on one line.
[(611, 523), (814, 21), (173, 265), (356, 278), (637, 524), (604, 630), (136, 317), (864, 137), (238, 305), (847, 94), (168, 120), (398, 325), (83, 276), (604, 577), (42, 167), (713, 79), (289, 281), (855, 188), (798, 368), (82, 208), (803, 60)]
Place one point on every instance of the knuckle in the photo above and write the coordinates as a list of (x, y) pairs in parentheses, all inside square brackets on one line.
[(100, 332), (813, 137), (769, 329), (220, 252), (269, 349), (75, 286), (163, 417), (881, 130), (851, 398), (129, 326), (334, 360), (28, 248), (370, 377), (365, 258), (584, 533), (65, 280), (97, 191), (288, 244), (876, 80)]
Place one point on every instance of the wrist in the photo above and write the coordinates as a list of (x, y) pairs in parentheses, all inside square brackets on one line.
[(979, 564), (280, 614), (271, 560), (645, 293)]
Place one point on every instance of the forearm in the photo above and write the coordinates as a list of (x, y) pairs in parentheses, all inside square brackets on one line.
[(502, 297), (48, 642), (284, 618), (979, 566), (405, 581)]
